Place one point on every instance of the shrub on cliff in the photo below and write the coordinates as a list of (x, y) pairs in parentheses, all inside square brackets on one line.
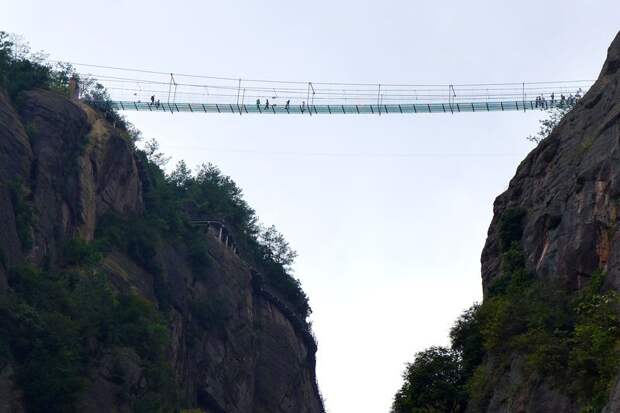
[(173, 199), (571, 338), (20, 69), (54, 325), (170, 198), (554, 114)]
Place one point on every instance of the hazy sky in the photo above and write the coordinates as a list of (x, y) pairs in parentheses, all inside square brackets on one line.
[(389, 214)]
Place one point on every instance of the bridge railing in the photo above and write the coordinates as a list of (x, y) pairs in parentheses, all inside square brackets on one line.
[(219, 230), (335, 109)]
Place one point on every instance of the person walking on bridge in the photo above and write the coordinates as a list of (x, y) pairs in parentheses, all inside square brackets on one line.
[(267, 104), (257, 103)]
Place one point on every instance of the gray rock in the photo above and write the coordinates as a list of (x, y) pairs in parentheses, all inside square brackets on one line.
[(249, 356), (569, 187)]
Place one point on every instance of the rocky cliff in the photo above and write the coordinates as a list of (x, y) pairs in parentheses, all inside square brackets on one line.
[(566, 198), (231, 345)]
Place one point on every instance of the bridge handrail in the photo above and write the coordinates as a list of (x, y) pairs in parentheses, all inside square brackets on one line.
[(335, 109)]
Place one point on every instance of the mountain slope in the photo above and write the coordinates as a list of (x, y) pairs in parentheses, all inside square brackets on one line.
[(564, 202), (126, 308)]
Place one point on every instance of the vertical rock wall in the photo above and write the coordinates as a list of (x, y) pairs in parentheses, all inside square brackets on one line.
[(62, 160)]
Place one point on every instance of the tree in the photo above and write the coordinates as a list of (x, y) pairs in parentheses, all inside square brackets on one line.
[(151, 149), (224, 199), (276, 247), (181, 177), (554, 116), (434, 383), (467, 339)]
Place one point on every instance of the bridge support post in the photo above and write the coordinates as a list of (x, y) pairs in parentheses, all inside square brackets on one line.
[(74, 88)]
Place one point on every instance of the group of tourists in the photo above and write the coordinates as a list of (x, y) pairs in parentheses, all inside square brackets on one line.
[(570, 100), (273, 106), (541, 101)]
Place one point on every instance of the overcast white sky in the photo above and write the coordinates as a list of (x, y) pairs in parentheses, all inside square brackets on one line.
[(389, 214)]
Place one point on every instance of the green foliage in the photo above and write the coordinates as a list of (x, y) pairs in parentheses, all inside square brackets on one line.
[(571, 338), (198, 255), (275, 247), (172, 199), (510, 227), (434, 382), (21, 70), (479, 388), (181, 176), (96, 95), (439, 378), (467, 340), (554, 115), (594, 354), (139, 238), (55, 324), (133, 235), (217, 195), (78, 252), (50, 321), (211, 313)]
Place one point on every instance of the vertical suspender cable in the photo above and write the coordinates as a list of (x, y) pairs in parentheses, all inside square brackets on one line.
[(174, 97), (169, 88), (238, 90)]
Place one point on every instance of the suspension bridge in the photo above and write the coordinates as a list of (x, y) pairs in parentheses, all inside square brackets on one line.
[(152, 91)]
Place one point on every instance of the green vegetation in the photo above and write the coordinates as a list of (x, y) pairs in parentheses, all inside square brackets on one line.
[(59, 323), (55, 326), (20, 69), (434, 383), (554, 115), (173, 199), (170, 202), (510, 227), (571, 338), (78, 252), (212, 314)]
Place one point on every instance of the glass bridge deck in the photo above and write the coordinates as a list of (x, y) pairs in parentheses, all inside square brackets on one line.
[(335, 109)]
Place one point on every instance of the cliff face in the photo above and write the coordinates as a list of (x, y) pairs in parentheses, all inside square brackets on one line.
[(62, 168), (569, 191)]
